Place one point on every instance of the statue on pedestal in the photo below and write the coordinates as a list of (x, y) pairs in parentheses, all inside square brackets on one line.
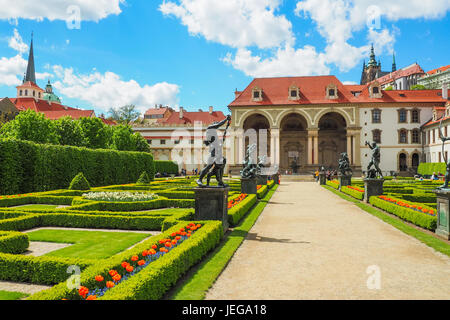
[(447, 173), (372, 173), (216, 161), (344, 165), (250, 168)]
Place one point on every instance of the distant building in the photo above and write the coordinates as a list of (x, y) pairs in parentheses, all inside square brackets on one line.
[(8, 110), (372, 70), (432, 144), (31, 96), (166, 129), (402, 79), (435, 78)]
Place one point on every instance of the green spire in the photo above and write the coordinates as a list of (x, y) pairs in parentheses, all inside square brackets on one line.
[(30, 75), (394, 65), (372, 61)]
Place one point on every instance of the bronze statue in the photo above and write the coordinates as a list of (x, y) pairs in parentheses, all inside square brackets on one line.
[(216, 162), (344, 165), (375, 161), (250, 168), (447, 173)]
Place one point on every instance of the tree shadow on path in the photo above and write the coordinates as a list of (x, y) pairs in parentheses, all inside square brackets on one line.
[(256, 237)]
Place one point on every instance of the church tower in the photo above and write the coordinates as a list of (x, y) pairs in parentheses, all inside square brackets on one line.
[(373, 69), (29, 88)]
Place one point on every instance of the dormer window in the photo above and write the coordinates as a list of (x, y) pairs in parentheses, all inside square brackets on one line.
[(375, 90), (257, 94), (20, 92), (332, 91), (294, 93)]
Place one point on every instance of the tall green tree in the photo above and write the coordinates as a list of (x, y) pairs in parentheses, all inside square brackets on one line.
[(69, 131), (125, 114), (96, 134), (32, 126)]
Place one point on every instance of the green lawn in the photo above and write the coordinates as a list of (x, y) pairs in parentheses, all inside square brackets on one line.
[(88, 244), (6, 295), (36, 207)]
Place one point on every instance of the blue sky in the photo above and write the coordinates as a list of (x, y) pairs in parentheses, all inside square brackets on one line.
[(195, 53)]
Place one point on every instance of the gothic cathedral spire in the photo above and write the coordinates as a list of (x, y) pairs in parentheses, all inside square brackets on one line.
[(394, 65), (31, 74)]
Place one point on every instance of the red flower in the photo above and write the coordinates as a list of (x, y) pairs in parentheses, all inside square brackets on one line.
[(110, 284), (83, 291), (141, 262), (92, 297), (134, 258), (130, 268), (178, 238), (99, 278), (154, 246), (125, 264), (112, 273), (117, 277)]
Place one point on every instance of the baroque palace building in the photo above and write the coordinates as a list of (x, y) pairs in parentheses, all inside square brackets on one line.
[(311, 120)]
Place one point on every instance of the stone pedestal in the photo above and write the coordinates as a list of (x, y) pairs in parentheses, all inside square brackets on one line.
[(443, 216), (249, 185), (261, 180), (212, 204), (322, 178), (373, 187), (344, 180), (276, 178)]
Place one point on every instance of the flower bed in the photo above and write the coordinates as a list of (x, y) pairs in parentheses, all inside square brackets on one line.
[(239, 209), (106, 281), (333, 183), (237, 200), (354, 192), (119, 196), (407, 211), (262, 191)]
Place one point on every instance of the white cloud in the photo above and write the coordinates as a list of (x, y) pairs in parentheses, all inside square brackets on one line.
[(109, 90), (12, 69), (286, 62), (235, 23), (17, 43), (58, 9)]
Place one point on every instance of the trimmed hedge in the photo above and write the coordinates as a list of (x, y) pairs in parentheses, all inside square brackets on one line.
[(153, 281), (79, 182), (236, 213), (429, 168), (81, 204), (30, 167), (169, 167), (420, 219), (261, 193), (422, 198), (13, 242), (354, 193)]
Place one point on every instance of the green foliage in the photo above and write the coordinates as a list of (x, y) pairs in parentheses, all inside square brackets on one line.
[(13, 242), (79, 182), (429, 168), (261, 193), (418, 87), (125, 114), (143, 179), (169, 167), (31, 126), (29, 167), (389, 88), (69, 132), (354, 193), (96, 134)]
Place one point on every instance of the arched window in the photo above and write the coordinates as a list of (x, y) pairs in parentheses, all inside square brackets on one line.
[(402, 164), (26, 92), (376, 135), (415, 160)]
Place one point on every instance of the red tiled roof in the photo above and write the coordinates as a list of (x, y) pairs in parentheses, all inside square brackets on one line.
[(108, 122), (413, 69), (442, 69), (156, 111), (29, 84), (51, 110), (355, 87), (191, 117), (312, 91)]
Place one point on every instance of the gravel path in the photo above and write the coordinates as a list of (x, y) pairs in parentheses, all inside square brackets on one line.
[(311, 244), (21, 287)]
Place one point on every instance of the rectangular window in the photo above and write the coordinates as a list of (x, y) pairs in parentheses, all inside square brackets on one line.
[(376, 116), (162, 142), (177, 141), (293, 93), (415, 116), (434, 136), (149, 141), (375, 90), (403, 136), (256, 94), (331, 92), (415, 136), (402, 116), (376, 136)]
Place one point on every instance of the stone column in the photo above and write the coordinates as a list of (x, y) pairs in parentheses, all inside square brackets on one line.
[(349, 147), (357, 149), (241, 149), (275, 146), (310, 149), (316, 147)]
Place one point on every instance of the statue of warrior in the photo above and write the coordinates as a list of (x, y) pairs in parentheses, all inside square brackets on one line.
[(216, 162), (375, 161), (447, 173), (250, 168), (344, 164)]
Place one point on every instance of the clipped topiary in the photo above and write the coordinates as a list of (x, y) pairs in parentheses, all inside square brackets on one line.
[(79, 183), (143, 179)]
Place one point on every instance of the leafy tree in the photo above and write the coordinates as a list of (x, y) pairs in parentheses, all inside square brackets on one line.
[(69, 132), (418, 87), (96, 134), (141, 143), (125, 114), (32, 126), (122, 138), (389, 88)]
